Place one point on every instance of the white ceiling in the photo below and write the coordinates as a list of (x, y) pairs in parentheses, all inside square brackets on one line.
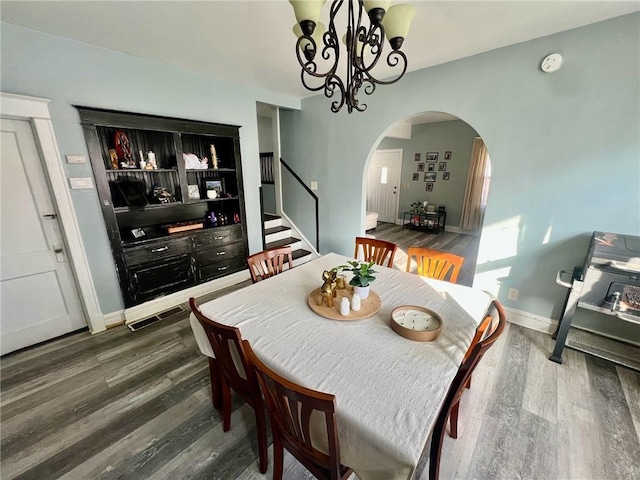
[(251, 41)]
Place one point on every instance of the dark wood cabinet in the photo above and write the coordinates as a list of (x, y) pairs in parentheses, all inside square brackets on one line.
[(150, 174)]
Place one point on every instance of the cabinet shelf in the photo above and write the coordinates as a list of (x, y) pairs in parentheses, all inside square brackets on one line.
[(142, 170), (207, 200), (209, 170), (152, 206), (150, 262)]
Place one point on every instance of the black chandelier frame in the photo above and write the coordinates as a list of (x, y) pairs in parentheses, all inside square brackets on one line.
[(364, 50)]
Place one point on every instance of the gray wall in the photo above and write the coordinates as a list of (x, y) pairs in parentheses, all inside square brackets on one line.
[(73, 73), (456, 137), (564, 150)]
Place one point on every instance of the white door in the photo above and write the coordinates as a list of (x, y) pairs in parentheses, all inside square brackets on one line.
[(38, 293), (383, 192)]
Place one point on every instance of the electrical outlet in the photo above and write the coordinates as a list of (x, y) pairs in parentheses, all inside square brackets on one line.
[(513, 294), (76, 159), (314, 185)]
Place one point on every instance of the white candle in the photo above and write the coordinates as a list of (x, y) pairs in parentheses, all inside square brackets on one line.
[(344, 306), (355, 302)]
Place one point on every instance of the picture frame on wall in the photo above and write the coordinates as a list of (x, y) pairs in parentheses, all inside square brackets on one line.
[(417, 157), (431, 156), (421, 167), (442, 166), (445, 175), (416, 177), (447, 155), (429, 187), (431, 167), (430, 176)]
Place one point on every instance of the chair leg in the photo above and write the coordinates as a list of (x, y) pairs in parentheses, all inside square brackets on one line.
[(261, 426), (453, 421), (278, 460), (216, 393), (226, 404)]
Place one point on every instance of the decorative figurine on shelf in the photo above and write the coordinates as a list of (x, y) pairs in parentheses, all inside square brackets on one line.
[(214, 157), (151, 161), (415, 206), (113, 158), (213, 219), (161, 195), (236, 218), (123, 148), (328, 289)]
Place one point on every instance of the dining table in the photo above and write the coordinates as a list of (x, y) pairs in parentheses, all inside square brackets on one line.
[(388, 389)]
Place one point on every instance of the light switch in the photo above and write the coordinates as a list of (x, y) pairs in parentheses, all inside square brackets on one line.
[(81, 182), (76, 159), (314, 185)]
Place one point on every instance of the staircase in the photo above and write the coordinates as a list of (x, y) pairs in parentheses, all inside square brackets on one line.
[(279, 234)]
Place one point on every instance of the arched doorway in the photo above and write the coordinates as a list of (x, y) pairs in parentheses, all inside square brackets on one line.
[(444, 163)]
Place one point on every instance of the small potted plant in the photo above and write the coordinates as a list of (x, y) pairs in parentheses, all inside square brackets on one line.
[(362, 276)]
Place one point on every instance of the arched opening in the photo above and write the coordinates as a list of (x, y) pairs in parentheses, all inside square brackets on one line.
[(426, 185)]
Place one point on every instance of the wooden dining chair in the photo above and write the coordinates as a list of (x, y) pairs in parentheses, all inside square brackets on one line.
[(268, 263), (376, 250), (495, 323), (290, 409), (233, 371), (435, 264)]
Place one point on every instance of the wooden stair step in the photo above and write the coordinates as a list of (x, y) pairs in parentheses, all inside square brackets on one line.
[(301, 252), (268, 217), (282, 243), (278, 229)]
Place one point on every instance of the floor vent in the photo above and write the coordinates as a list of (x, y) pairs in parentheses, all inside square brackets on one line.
[(143, 323), (156, 318), (173, 311)]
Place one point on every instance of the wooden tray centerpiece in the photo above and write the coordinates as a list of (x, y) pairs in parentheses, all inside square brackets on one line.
[(369, 306)]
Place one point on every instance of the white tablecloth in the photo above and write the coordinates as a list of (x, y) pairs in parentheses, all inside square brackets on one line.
[(388, 389)]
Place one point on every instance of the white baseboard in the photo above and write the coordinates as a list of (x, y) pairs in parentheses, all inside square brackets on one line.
[(114, 319), (531, 321), (148, 309)]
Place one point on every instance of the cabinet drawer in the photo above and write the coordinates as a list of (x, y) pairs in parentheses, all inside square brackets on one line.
[(219, 236), (160, 278), (154, 251), (220, 269), (220, 254)]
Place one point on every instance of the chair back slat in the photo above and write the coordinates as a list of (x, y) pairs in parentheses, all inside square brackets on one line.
[(268, 263), (493, 326), (226, 343), (435, 264), (376, 251), (291, 407)]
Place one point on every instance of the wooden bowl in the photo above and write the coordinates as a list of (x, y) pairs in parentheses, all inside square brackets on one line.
[(416, 323)]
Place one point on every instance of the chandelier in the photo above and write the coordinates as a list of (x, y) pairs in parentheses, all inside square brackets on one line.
[(364, 47)]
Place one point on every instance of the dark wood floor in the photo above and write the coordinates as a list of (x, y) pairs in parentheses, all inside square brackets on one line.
[(136, 405), (460, 244)]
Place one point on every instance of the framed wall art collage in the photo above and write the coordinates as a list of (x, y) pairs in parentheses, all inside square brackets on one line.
[(428, 167)]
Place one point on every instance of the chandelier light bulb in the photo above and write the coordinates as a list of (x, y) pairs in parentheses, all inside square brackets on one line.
[(307, 9), (397, 22)]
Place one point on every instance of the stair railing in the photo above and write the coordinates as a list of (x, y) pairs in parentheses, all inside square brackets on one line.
[(313, 196)]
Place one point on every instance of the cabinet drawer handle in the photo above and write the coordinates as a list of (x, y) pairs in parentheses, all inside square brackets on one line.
[(221, 253), (218, 238), (155, 250), (222, 268)]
